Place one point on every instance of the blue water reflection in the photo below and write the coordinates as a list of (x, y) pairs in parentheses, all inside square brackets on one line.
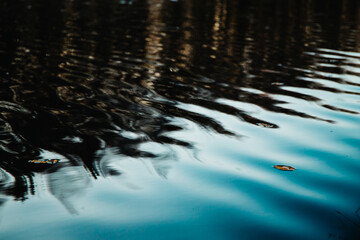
[(164, 119)]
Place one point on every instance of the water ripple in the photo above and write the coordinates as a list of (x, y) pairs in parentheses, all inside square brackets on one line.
[(173, 113)]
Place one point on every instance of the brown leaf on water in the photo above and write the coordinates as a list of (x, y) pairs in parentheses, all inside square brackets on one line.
[(284, 168), (50, 161)]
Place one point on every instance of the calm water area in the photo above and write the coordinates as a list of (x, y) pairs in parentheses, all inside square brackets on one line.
[(164, 119)]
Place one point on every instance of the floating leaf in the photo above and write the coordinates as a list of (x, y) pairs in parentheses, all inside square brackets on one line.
[(284, 168), (265, 125), (50, 161)]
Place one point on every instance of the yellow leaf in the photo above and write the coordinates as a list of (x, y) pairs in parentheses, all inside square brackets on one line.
[(284, 168), (50, 161)]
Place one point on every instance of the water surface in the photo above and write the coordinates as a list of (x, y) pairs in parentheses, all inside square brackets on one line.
[(166, 118)]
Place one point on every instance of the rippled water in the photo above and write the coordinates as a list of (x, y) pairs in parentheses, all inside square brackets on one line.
[(165, 119)]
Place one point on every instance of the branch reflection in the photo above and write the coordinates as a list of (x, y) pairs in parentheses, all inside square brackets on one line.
[(86, 80)]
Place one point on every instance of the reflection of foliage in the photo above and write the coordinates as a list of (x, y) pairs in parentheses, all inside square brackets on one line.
[(350, 226), (78, 77)]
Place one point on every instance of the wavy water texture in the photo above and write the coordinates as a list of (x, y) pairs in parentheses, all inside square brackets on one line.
[(172, 114)]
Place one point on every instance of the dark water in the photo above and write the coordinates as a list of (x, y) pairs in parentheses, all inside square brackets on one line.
[(167, 117)]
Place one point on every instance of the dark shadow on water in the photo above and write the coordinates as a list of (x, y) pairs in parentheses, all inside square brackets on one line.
[(79, 77)]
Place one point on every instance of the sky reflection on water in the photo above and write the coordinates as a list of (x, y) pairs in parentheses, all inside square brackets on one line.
[(167, 118)]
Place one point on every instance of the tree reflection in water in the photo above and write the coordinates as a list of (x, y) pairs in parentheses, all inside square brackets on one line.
[(83, 79)]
